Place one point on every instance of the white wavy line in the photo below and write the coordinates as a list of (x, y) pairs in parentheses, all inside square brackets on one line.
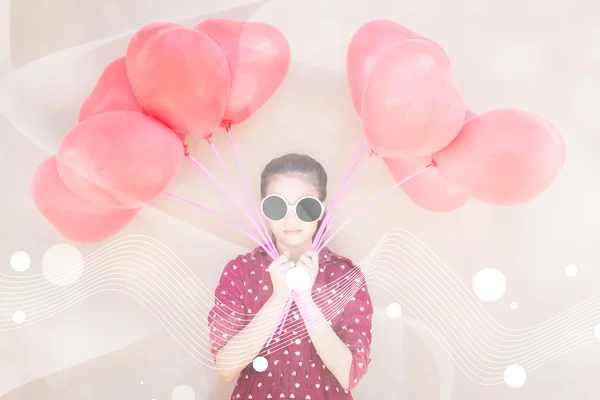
[(150, 273)]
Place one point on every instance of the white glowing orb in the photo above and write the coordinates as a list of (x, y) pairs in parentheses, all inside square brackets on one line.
[(20, 261), (489, 284), (394, 310), (297, 279), (515, 376), (19, 317), (260, 364)]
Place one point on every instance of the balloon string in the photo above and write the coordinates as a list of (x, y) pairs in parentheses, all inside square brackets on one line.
[(233, 224), (432, 164), (245, 208), (354, 162), (250, 196), (207, 173), (281, 320), (350, 188)]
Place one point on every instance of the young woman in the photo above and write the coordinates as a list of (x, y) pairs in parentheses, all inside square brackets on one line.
[(322, 350)]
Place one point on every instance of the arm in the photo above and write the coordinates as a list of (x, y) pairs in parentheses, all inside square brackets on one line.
[(244, 346), (237, 338), (345, 352), (336, 356)]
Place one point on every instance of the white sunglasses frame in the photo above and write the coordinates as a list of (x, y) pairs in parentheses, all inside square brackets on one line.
[(292, 207)]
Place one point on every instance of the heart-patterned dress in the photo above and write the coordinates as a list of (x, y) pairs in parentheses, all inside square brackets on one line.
[(294, 370)]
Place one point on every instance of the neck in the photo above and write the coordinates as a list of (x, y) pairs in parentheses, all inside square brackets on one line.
[(296, 251)]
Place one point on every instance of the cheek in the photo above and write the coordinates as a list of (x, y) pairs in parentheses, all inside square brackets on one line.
[(274, 226)]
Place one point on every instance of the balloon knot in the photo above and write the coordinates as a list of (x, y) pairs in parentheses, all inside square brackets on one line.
[(372, 153), (185, 150), (433, 163), (208, 137), (226, 124)]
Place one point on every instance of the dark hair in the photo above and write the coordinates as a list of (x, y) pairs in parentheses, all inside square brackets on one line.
[(300, 165)]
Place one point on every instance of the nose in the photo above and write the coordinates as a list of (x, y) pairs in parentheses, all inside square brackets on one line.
[(291, 218)]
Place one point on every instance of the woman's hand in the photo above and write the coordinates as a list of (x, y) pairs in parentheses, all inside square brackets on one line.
[(309, 261), (278, 270)]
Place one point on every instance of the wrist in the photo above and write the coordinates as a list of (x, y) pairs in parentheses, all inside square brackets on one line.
[(279, 299), (305, 297)]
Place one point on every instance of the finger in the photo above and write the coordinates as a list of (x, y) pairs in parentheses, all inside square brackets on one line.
[(307, 261), (314, 256), (281, 259), (287, 265)]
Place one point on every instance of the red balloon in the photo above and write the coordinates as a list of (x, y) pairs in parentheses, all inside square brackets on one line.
[(504, 157), (428, 189), (369, 43), (258, 56), (119, 159), (76, 219), (180, 76), (111, 93), (411, 105)]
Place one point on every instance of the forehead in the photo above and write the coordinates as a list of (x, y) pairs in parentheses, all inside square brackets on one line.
[(292, 187)]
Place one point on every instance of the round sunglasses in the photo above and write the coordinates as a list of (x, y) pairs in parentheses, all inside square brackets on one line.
[(308, 209)]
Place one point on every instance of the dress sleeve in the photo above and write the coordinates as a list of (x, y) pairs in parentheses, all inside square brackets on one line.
[(228, 315), (355, 328)]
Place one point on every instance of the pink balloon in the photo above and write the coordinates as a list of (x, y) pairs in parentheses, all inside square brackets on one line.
[(411, 105), (180, 76), (504, 157), (428, 189), (76, 219), (111, 93), (119, 159), (369, 43), (258, 56)]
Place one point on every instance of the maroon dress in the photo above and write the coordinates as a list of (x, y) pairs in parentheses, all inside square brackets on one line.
[(294, 371)]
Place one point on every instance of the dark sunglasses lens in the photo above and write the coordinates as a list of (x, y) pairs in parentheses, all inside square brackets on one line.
[(309, 209), (274, 208)]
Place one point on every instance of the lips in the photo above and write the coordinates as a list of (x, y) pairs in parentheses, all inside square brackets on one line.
[(292, 231)]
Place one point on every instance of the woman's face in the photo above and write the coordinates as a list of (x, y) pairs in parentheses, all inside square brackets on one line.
[(290, 231)]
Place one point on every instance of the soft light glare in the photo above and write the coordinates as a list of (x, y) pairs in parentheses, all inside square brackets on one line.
[(394, 310), (183, 392), (571, 270), (62, 264)]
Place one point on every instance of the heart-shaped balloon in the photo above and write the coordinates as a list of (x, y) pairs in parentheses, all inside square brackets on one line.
[(369, 43), (119, 159), (429, 189), (72, 216), (180, 76), (111, 93), (258, 56), (503, 157), (411, 105)]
